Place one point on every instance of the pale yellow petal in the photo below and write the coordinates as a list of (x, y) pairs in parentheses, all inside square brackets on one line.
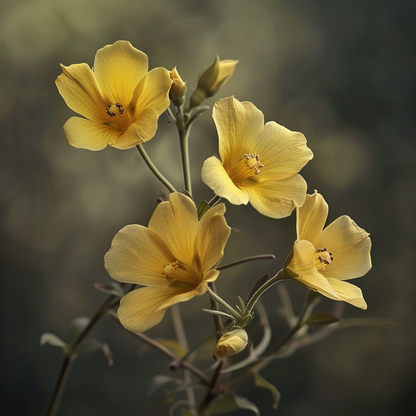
[(213, 233), (174, 226), (282, 152), (215, 176), (348, 293), (135, 258), (144, 308), (311, 218), (238, 125), (140, 131), (86, 134), (302, 264), (153, 92), (118, 68), (78, 87), (275, 199), (350, 246)]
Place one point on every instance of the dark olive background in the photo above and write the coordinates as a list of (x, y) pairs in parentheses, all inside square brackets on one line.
[(341, 72)]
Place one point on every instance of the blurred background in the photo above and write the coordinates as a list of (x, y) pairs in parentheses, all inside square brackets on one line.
[(341, 72)]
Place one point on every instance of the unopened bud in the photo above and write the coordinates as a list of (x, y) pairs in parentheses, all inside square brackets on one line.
[(212, 79), (178, 89), (231, 343)]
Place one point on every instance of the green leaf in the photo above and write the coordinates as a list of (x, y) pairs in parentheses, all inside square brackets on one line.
[(173, 346), (92, 345), (261, 382), (321, 318), (77, 326), (159, 381), (110, 288), (231, 402), (52, 339), (202, 209)]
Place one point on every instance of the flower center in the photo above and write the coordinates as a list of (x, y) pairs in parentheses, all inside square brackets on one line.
[(168, 270), (114, 109), (323, 258), (249, 165)]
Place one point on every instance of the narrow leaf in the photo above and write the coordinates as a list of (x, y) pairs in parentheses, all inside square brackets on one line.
[(230, 402), (110, 288), (261, 382), (321, 318), (159, 381), (52, 339), (203, 208), (258, 284)]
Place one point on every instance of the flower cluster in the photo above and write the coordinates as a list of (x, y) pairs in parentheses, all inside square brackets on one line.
[(176, 257)]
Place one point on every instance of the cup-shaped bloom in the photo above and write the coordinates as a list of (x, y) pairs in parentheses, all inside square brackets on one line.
[(120, 100), (323, 258), (231, 343), (259, 162), (212, 79), (174, 258)]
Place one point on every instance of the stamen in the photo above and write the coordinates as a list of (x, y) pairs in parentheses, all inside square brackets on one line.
[(113, 108), (253, 162), (168, 270), (324, 258)]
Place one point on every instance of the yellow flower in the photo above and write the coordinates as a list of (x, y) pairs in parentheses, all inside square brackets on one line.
[(212, 79), (259, 163), (173, 257), (231, 343), (120, 100), (323, 258)]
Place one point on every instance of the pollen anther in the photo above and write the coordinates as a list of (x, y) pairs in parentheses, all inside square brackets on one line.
[(169, 268), (112, 108), (253, 162), (325, 256)]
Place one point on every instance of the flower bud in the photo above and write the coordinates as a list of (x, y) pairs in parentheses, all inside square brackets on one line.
[(178, 89), (231, 343), (212, 79)]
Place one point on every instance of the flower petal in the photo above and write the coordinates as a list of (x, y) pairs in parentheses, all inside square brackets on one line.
[(140, 131), (118, 68), (351, 247), (276, 199), (144, 308), (213, 233), (302, 264), (311, 218), (348, 293), (153, 91), (78, 87), (282, 152), (86, 134), (135, 258), (238, 124), (173, 227), (216, 177)]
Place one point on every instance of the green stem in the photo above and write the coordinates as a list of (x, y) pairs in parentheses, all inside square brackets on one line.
[(311, 301), (246, 260), (224, 304), (214, 201), (184, 142), (154, 169), (71, 353), (253, 300)]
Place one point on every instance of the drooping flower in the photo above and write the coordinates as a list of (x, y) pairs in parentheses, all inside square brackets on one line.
[(174, 257), (231, 343), (212, 79), (323, 258), (259, 162), (120, 100)]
